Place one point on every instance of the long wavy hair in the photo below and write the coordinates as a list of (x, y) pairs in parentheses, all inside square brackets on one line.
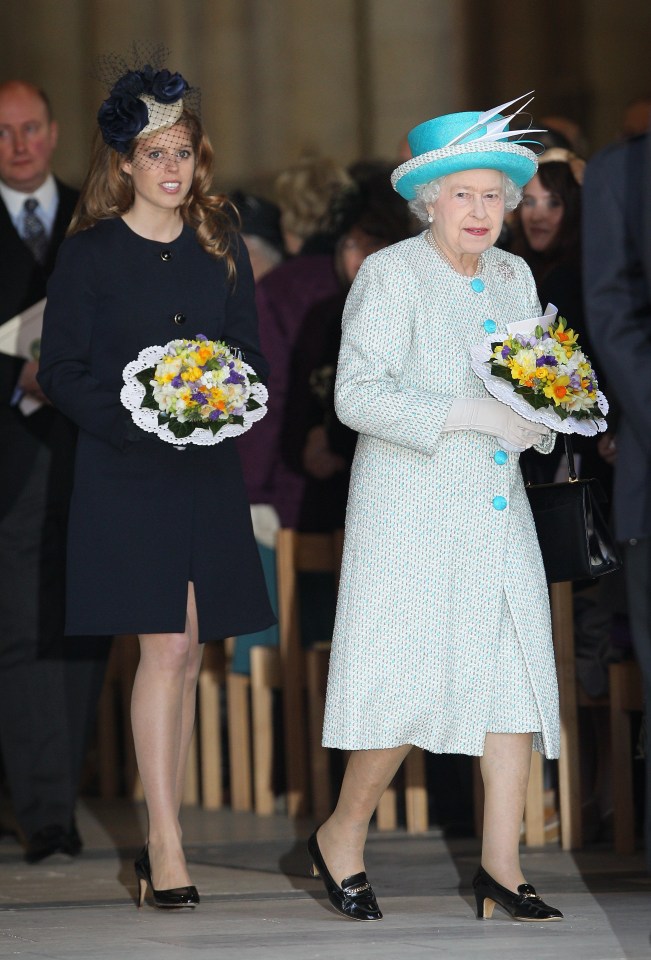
[(558, 179), (108, 192)]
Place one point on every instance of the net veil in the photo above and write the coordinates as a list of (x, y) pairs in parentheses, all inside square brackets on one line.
[(147, 114)]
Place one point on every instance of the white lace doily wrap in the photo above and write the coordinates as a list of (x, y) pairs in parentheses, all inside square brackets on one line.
[(504, 391), (133, 393)]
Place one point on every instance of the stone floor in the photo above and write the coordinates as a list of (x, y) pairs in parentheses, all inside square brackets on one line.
[(258, 903)]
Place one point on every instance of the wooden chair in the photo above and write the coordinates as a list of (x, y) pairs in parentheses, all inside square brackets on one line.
[(284, 668), (624, 697)]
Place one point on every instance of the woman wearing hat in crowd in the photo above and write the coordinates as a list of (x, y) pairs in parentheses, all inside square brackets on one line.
[(443, 635), (160, 541)]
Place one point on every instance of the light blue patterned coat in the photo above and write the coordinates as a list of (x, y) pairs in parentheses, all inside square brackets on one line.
[(443, 629)]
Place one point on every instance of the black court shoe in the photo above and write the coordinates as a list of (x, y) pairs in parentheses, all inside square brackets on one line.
[(524, 905), (175, 897), (354, 898)]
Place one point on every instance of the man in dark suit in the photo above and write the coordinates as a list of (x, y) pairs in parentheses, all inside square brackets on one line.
[(48, 686), (617, 282)]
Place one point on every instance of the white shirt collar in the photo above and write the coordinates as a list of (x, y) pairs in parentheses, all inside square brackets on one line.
[(47, 196)]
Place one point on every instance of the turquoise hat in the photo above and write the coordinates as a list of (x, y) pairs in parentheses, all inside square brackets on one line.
[(465, 141)]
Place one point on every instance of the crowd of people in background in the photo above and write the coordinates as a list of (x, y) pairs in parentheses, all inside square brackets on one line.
[(306, 244)]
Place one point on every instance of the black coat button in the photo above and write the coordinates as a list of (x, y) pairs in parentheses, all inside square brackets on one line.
[(179, 319), (166, 255)]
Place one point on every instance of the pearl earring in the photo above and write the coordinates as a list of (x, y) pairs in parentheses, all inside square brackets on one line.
[(430, 218)]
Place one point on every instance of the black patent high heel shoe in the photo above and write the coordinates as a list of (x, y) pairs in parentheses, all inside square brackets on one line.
[(524, 904), (354, 899), (174, 897)]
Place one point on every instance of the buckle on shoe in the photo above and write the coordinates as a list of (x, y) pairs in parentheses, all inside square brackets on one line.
[(353, 891)]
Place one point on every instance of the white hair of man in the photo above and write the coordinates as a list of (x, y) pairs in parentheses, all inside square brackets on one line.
[(428, 193)]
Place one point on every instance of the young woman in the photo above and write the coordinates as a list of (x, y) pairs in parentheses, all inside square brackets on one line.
[(160, 542)]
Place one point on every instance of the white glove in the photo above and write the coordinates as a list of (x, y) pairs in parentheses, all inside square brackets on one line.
[(496, 419), (266, 524)]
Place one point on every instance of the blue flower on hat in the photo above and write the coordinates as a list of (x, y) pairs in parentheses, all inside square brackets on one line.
[(121, 118), (167, 87)]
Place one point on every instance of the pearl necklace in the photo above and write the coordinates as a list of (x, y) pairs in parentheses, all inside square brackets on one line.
[(430, 238)]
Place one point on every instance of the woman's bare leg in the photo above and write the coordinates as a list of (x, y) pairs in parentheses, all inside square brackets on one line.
[(161, 705), (343, 835), (505, 768)]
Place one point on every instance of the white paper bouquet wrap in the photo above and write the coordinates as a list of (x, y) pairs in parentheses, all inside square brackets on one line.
[(540, 371), (193, 391)]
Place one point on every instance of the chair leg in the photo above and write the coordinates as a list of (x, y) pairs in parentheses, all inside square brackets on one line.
[(569, 785), (320, 775), (386, 813), (210, 739), (292, 666), (265, 676), (191, 781), (534, 811), (239, 740), (416, 800)]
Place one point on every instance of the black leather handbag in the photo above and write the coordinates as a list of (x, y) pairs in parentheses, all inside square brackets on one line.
[(575, 540)]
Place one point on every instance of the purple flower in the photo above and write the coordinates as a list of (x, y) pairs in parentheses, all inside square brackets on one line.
[(234, 377), (199, 397), (547, 362), (215, 415), (575, 380), (177, 381), (200, 336), (506, 351)]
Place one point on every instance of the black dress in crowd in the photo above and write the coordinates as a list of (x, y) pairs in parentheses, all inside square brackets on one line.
[(147, 517)]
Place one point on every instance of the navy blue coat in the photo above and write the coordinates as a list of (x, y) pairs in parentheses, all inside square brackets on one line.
[(146, 517)]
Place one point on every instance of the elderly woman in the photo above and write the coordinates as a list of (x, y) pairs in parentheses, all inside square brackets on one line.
[(443, 637)]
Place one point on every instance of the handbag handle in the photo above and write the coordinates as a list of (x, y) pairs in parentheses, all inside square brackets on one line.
[(569, 453), (571, 468)]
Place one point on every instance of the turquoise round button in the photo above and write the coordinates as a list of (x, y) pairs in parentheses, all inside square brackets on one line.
[(490, 326), (500, 456), (499, 503), (477, 285)]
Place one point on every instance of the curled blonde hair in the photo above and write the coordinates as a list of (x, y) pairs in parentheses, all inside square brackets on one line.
[(108, 192), (306, 193)]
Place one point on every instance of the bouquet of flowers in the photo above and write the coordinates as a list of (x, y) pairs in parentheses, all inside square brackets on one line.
[(541, 372), (193, 391)]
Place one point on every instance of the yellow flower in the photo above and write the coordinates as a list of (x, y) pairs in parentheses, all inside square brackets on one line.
[(194, 373), (557, 390)]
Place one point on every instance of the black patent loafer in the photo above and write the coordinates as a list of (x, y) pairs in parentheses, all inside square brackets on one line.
[(354, 899), (524, 904), (166, 899)]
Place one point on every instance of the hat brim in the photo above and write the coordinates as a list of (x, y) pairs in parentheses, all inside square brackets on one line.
[(517, 162)]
